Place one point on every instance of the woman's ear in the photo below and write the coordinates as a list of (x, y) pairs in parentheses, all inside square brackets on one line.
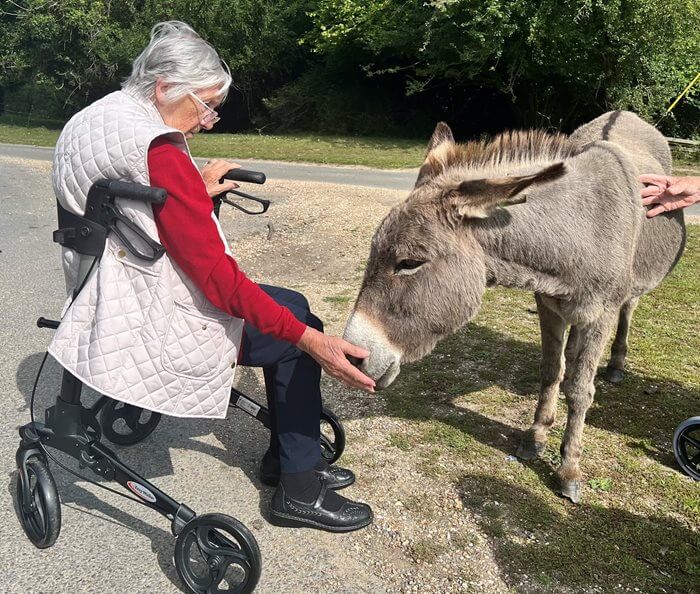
[(161, 90)]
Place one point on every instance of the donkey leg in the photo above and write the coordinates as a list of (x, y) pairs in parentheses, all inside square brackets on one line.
[(614, 372), (579, 389), (552, 328), (570, 351)]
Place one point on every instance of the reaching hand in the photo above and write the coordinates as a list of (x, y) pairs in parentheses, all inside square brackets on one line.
[(213, 171), (330, 351), (668, 193)]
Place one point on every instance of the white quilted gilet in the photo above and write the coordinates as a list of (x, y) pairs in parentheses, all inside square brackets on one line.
[(139, 332)]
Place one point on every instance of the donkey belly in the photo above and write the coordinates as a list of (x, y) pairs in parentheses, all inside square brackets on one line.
[(660, 245)]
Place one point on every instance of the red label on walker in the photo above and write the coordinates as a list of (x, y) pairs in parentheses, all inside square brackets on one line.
[(141, 491)]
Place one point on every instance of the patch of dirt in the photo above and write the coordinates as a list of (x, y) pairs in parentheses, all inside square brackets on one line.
[(422, 540), (313, 233)]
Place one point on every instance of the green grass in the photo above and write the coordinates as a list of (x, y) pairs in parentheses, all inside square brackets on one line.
[(638, 523), (383, 153), (338, 299), (16, 130)]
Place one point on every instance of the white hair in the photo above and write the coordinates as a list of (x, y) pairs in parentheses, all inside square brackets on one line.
[(177, 55)]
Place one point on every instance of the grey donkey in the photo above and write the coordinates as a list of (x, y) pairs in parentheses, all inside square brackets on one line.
[(573, 230)]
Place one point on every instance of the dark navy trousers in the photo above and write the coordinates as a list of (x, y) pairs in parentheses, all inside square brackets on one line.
[(292, 385)]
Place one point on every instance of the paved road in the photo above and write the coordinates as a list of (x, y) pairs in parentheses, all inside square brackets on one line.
[(108, 544), (356, 176)]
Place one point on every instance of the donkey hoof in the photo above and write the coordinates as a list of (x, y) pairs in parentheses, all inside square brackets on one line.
[(529, 450), (612, 375), (571, 490)]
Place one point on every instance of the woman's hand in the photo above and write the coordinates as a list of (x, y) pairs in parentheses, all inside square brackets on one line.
[(213, 171), (330, 351), (668, 193)]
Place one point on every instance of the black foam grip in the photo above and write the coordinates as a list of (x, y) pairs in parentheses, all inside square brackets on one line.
[(245, 175), (42, 322), (138, 192)]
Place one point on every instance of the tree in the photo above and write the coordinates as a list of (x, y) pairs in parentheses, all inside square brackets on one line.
[(568, 59)]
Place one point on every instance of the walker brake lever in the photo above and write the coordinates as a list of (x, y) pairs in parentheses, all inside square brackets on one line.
[(265, 204), (157, 249)]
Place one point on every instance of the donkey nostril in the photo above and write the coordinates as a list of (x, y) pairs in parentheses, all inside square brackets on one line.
[(356, 361)]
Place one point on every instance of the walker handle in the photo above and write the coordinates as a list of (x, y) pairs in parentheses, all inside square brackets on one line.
[(245, 175), (132, 191)]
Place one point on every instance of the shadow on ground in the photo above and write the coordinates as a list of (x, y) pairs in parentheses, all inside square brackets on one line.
[(243, 442), (644, 408), (581, 547)]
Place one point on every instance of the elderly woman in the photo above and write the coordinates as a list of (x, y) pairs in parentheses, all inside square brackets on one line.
[(166, 335)]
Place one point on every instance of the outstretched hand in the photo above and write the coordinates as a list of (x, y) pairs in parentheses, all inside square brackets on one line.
[(330, 353), (213, 171), (668, 193)]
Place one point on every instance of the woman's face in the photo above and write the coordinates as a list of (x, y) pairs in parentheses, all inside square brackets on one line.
[(187, 114)]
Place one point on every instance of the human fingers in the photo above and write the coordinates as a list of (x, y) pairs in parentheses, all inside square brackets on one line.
[(650, 191), (668, 205), (651, 200), (652, 212), (226, 185), (353, 377), (340, 368), (653, 178), (220, 167), (353, 350), (684, 186)]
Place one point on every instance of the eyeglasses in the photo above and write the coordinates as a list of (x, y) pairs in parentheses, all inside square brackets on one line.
[(209, 117)]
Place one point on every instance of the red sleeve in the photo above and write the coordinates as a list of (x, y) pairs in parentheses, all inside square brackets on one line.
[(191, 238)]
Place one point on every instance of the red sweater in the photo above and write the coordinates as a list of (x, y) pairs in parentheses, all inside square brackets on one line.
[(192, 240)]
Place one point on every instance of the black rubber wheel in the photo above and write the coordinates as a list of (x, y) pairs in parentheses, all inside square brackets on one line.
[(686, 447), (42, 522), (216, 553), (125, 424), (332, 436)]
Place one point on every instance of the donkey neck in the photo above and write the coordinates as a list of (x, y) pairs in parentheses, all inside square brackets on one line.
[(521, 251)]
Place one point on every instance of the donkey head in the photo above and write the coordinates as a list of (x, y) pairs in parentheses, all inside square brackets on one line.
[(426, 272)]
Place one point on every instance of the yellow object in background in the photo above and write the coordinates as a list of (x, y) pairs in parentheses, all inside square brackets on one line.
[(684, 93)]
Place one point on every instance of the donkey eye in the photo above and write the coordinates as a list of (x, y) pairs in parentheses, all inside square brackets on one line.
[(408, 266)]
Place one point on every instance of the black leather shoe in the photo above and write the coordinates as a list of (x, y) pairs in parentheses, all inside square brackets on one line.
[(285, 511), (334, 477)]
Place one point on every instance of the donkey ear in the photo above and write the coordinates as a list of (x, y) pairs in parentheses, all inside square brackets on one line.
[(442, 133), (479, 198), (441, 140)]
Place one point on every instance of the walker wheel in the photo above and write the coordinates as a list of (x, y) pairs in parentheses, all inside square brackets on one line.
[(41, 521), (125, 424), (686, 447), (215, 553), (332, 436)]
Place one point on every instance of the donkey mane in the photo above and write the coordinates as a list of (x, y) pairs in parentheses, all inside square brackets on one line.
[(496, 156)]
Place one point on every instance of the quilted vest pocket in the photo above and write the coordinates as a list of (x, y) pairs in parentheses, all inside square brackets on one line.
[(195, 344)]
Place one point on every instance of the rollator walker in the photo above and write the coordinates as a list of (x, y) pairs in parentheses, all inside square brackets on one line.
[(213, 552)]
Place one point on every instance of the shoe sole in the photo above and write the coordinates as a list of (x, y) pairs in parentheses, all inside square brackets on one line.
[(284, 520)]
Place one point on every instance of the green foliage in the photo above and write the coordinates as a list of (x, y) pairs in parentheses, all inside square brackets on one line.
[(381, 66), (567, 59), (76, 49)]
